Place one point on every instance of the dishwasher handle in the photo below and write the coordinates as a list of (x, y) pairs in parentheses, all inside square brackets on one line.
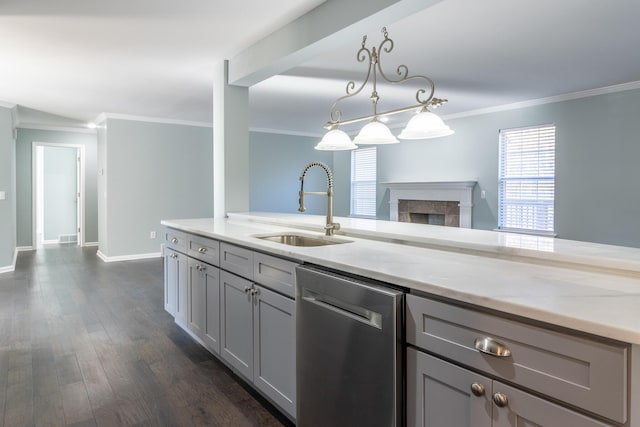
[(355, 312)]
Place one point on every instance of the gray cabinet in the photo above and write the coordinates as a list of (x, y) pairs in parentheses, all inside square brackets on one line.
[(210, 291), (204, 303), (274, 344), (175, 285), (236, 322), (441, 394), (578, 371), (258, 337)]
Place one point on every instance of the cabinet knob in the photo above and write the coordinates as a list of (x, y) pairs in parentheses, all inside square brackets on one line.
[(174, 240), (203, 267), (491, 347), (500, 399), (254, 291), (477, 389), (202, 250), (247, 289)]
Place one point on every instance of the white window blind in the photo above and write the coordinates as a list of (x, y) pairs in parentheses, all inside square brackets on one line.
[(363, 182), (526, 185)]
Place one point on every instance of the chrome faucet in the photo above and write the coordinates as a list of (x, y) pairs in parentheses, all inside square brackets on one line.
[(331, 226)]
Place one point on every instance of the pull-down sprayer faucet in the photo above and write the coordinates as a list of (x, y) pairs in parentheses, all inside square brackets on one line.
[(331, 226)]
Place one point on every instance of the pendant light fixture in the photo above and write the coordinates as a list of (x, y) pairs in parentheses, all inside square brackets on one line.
[(423, 125)]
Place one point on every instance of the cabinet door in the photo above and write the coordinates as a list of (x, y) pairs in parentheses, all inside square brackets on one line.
[(236, 323), (523, 409), (439, 394), (204, 303), (170, 281), (211, 297), (182, 303), (196, 292), (274, 343)]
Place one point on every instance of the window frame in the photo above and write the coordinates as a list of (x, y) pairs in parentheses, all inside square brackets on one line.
[(371, 179), (544, 160)]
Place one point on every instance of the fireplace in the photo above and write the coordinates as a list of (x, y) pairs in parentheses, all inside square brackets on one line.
[(435, 203)]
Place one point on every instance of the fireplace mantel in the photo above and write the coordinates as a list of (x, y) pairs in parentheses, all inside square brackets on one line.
[(458, 191)]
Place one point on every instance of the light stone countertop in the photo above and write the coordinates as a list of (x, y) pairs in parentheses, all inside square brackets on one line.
[(594, 302)]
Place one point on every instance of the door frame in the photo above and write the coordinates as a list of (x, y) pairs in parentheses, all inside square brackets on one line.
[(80, 172)]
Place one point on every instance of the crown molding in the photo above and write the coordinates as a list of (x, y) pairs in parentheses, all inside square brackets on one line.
[(548, 100), (286, 132), (7, 104), (37, 126), (104, 116)]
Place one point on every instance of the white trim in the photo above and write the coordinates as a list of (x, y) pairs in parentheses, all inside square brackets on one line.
[(37, 126), (24, 248), (286, 132), (105, 258), (12, 267), (104, 116), (548, 100), (51, 242), (79, 148), (7, 105), (90, 244)]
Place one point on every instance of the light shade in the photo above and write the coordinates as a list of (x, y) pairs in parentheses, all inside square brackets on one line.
[(425, 125), (375, 132), (335, 140)]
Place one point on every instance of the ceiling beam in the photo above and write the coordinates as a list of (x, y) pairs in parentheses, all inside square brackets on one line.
[(324, 28)]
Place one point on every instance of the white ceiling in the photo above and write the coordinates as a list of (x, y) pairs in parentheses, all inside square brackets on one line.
[(78, 58)]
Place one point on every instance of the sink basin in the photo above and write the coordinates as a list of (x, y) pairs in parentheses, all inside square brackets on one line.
[(292, 239)]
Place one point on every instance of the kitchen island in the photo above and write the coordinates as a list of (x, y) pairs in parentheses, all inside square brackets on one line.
[(581, 289)]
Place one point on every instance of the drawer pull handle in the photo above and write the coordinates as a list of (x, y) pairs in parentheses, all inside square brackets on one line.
[(500, 399), (174, 240), (477, 389), (202, 250), (491, 347)]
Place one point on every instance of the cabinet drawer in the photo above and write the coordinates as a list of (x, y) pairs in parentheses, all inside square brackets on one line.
[(275, 273), (586, 373), (175, 239), (236, 260), (204, 249)]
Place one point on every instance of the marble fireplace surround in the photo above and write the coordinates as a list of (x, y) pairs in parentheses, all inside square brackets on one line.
[(450, 191)]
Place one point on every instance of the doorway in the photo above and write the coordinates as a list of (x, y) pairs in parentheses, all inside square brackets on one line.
[(58, 194)]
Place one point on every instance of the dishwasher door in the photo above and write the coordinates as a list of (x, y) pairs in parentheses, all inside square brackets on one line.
[(348, 351)]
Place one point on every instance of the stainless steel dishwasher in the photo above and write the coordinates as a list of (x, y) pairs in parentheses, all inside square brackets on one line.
[(348, 351)]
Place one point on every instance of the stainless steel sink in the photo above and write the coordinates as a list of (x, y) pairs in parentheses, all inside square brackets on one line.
[(301, 240)]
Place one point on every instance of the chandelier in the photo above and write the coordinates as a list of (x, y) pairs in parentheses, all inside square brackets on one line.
[(423, 125)]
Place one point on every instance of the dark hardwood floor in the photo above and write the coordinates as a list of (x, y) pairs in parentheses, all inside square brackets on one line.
[(85, 343)]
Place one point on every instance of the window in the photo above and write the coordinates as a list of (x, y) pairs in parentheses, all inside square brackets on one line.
[(363, 182), (526, 181)]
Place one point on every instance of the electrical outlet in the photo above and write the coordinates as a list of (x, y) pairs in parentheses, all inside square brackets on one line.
[(152, 235)]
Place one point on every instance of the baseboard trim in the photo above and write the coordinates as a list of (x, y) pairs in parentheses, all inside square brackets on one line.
[(10, 268), (105, 258), (90, 244), (24, 248)]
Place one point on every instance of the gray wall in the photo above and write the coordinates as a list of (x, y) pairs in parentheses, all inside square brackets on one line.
[(276, 162), (7, 184), (152, 171), (59, 173), (597, 151), (24, 178)]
